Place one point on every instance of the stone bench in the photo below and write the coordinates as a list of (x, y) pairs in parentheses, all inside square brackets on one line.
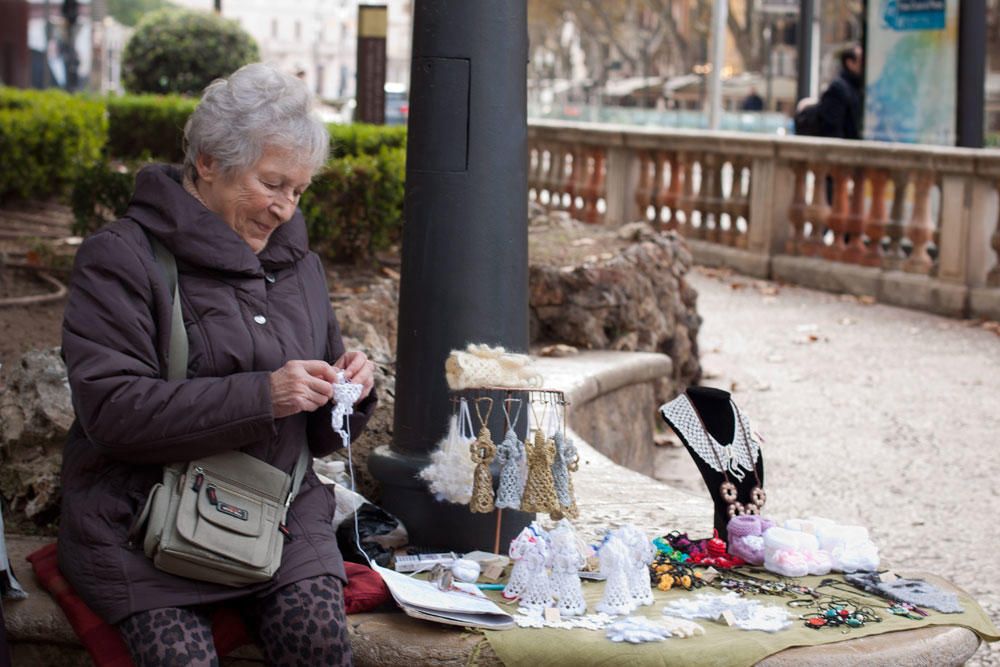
[(597, 384)]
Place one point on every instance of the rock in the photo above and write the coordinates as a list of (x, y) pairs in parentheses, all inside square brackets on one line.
[(35, 416), (636, 299)]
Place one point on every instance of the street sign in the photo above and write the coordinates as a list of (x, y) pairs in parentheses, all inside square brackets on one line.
[(373, 23)]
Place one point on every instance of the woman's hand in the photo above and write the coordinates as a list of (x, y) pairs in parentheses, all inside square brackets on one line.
[(301, 386), (358, 369)]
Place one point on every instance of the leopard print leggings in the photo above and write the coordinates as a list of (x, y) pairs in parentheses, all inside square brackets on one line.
[(300, 625)]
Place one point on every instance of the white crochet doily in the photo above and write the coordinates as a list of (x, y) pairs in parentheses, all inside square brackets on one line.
[(737, 458)]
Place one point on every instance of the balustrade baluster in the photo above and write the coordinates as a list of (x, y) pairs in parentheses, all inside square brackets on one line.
[(740, 202), (797, 211), (876, 221), (553, 176), (817, 213), (708, 198), (854, 225), (894, 255), (643, 189), (837, 222), (594, 189), (678, 176), (665, 174), (920, 229), (689, 199), (993, 277)]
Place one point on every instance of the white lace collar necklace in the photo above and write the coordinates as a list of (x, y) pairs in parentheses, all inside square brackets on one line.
[(737, 458)]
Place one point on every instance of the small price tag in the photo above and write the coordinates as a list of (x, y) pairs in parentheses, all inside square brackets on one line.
[(709, 575), (887, 576), (728, 618), (493, 572), (551, 615)]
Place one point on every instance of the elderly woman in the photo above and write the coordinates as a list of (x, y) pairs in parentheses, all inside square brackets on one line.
[(264, 353)]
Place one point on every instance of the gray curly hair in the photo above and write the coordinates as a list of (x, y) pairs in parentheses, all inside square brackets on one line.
[(257, 106)]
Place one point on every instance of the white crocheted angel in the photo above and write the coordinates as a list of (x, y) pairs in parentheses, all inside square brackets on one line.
[(566, 563), (451, 470), (615, 560)]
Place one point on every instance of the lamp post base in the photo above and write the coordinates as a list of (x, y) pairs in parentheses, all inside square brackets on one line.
[(441, 525)]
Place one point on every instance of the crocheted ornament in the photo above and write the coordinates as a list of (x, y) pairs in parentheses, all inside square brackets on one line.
[(566, 563), (483, 450), (617, 599), (485, 366), (747, 614), (538, 587), (641, 552), (345, 395), (510, 456), (519, 573), (450, 471), (636, 630), (567, 460), (539, 488)]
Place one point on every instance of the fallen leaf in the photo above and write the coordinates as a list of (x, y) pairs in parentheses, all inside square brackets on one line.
[(866, 300)]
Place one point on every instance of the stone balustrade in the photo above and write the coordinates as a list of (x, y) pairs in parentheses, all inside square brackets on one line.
[(917, 226)]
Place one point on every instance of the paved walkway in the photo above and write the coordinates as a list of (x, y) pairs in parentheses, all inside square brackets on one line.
[(871, 414)]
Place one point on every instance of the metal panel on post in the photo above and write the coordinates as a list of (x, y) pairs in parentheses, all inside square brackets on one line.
[(465, 243)]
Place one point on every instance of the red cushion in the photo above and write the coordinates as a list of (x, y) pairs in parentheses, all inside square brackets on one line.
[(365, 590)]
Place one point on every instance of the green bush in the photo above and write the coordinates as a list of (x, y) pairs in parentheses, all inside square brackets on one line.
[(182, 51), (364, 139), (141, 126), (101, 193), (46, 138), (354, 207), (993, 140)]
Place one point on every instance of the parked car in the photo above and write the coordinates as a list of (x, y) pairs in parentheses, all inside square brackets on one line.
[(397, 104)]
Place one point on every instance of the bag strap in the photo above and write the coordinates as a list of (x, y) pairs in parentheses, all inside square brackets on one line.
[(177, 355)]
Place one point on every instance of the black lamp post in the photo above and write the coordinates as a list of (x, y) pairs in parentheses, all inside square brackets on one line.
[(465, 242)]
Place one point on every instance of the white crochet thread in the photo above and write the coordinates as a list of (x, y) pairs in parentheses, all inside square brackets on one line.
[(485, 366), (345, 395), (737, 458), (538, 587), (519, 572), (450, 471), (641, 553), (747, 614), (614, 557), (636, 630), (566, 563)]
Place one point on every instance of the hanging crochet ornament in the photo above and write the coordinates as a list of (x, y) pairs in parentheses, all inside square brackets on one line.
[(451, 470), (614, 557), (483, 451), (540, 488), (567, 460), (538, 588), (519, 573), (510, 456), (566, 563)]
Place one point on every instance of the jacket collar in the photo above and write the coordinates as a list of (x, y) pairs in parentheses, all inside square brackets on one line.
[(199, 237)]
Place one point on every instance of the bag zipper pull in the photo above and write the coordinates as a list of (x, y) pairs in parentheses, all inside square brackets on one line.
[(284, 531), (213, 497), (199, 477)]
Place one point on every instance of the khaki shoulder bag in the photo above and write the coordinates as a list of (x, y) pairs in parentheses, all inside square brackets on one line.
[(220, 518)]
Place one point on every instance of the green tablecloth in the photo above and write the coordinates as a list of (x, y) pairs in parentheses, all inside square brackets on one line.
[(721, 645)]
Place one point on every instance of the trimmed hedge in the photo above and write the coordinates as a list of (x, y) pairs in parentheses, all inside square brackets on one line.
[(182, 51), (354, 207), (148, 126), (364, 139), (46, 138)]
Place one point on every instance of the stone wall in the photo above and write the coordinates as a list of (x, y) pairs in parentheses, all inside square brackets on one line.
[(637, 299)]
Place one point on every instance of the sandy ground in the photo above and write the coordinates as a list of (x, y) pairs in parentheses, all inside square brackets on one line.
[(872, 414)]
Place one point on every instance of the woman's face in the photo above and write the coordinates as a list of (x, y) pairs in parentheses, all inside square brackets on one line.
[(256, 201)]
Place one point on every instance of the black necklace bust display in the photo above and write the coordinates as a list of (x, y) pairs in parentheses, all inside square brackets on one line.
[(719, 438)]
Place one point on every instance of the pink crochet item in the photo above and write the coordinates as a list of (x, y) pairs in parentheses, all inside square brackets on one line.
[(745, 537)]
